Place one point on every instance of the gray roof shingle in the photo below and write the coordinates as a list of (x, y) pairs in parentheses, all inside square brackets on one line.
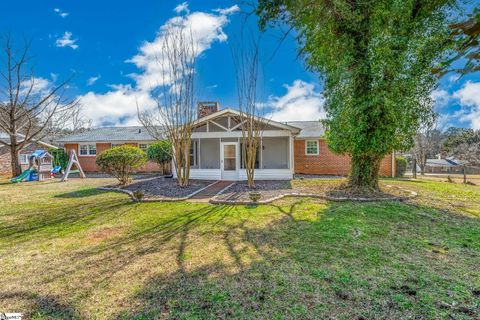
[(110, 134), (309, 129)]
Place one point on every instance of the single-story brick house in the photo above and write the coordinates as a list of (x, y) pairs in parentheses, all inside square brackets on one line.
[(286, 148), (6, 159)]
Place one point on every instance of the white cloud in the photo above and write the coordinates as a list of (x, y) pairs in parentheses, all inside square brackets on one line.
[(118, 106), (182, 7), (440, 97), (205, 29), (453, 78), (300, 103), (92, 80), (38, 86), (61, 13), (227, 11), (67, 41), (469, 99)]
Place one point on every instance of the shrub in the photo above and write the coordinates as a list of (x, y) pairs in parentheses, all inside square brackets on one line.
[(160, 153), (121, 162), (60, 157), (401, 166)]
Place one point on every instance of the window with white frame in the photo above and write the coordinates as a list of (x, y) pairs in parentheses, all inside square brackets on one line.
[(88, 149), (311, 147), (143, 146), (23, 158)]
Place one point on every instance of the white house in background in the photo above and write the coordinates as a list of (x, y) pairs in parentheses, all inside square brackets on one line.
[(216, 151)]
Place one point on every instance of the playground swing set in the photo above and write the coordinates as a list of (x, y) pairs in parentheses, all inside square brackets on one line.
[(41, 167)]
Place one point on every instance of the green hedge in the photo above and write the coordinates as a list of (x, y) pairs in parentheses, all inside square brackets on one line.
[(60, 157), (401, 166), (160, 153)]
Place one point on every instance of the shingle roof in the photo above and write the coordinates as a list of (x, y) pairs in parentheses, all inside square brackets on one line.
[(110, 134), (448, 162), (6, 139), (309, 129)]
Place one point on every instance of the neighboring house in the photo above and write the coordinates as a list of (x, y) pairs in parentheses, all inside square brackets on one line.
[(285, 148), (6, 159), (90, 143), (447, 165)]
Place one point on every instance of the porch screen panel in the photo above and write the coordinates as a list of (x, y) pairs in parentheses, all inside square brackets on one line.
[(209, 154), (275, 153)]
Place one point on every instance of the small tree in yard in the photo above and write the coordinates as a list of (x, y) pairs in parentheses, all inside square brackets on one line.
[(121, 162), (376, 58), (176, 109), (246, 61), (31, 108), (427, 144), (160, 153)]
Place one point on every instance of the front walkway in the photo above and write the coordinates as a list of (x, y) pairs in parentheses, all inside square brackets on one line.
[(206, 194)]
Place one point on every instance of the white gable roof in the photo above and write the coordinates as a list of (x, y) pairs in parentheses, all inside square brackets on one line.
[(228, 111)]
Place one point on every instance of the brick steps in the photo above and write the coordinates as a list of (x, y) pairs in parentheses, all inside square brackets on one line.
[(211, 191)]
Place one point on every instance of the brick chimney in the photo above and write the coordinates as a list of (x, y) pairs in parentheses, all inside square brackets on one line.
[(206, 108)]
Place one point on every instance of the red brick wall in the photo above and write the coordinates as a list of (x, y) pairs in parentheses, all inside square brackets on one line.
[(328, 163), (88, 162)]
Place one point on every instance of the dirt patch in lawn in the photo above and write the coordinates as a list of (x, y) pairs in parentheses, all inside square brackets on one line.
[(104, 234)]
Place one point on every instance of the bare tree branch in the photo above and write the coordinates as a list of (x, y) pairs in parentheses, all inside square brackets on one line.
[(173, 118), (28, 112)]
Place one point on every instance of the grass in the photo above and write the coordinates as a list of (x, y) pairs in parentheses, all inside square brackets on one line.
[(68, 251)]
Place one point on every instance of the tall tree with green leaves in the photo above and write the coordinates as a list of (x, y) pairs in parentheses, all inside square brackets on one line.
[(466, 39), (376, 59)]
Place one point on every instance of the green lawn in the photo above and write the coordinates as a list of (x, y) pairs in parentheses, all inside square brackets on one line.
[(68, 251)]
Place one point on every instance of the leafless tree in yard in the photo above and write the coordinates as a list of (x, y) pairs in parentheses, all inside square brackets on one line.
[(175, 111), (30, 108), (427, 144), (246, 62)]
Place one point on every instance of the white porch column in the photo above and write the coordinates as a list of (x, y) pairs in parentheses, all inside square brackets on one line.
[(291, 164), (260, 154), (199, 154)]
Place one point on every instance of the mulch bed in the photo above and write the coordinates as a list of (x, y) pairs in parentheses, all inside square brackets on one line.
[(268, 189), (164, 188), (271, 190)]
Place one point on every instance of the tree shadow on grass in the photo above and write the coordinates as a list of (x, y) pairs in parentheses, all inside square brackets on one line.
[(49, 223), (355, 261), (40, 307), (80, 193)]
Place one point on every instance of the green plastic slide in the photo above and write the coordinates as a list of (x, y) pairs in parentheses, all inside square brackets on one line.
[(21, 177)]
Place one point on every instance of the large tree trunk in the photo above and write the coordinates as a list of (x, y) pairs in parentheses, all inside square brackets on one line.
[(364, 172), (15, 163)]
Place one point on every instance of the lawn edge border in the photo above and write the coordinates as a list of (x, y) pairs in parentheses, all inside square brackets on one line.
[(413, 194), (170, 199)]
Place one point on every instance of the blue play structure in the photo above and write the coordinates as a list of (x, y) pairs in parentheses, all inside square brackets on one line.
[(39, 169)]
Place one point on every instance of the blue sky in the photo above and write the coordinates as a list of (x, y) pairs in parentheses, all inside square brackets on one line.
[(105, 43)]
